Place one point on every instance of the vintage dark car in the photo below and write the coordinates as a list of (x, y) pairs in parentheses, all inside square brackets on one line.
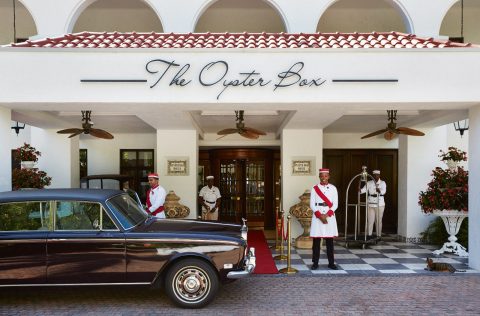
[(103, 237)]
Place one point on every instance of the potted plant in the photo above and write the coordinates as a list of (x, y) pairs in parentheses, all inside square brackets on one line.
[(27, 154), (30, 178), (452, 157), (27, 176), (447, 197)]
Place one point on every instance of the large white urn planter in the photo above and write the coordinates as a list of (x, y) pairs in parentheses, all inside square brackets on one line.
[(453, 220)]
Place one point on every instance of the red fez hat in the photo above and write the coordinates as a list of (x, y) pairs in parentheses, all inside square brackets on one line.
[(153, 175), (323, 170)]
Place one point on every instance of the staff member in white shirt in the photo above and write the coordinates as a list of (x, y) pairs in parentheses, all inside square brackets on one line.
[(376, 191), (155, 197), (324, 203), (209, 198)]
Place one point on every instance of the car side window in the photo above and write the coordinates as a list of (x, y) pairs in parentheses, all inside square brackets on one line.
[(24, 216), (77, 215), (107, 223)]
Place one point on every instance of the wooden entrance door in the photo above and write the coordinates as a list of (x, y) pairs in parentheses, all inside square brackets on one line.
[(344, 164), (245, 178)]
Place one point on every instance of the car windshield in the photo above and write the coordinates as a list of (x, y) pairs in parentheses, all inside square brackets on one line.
[(127, 211)]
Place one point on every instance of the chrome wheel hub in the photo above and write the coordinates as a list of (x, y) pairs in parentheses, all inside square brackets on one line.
[(191, 284)]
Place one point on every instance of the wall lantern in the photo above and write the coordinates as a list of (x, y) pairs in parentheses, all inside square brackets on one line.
[(461, 126), (17, 127)]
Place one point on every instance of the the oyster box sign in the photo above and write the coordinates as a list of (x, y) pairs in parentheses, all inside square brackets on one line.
[(218, 73)]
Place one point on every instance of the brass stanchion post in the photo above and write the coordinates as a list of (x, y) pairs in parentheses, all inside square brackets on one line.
[(277, 228), (281, 256), (288, 269)]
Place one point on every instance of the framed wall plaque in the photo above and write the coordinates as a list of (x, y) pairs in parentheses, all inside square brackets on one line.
[(302, 167), (177, 167)]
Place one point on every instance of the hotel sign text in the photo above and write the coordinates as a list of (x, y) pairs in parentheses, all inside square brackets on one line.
[(218, 74)]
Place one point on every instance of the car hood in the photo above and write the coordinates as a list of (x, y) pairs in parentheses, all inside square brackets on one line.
[(186, 226)]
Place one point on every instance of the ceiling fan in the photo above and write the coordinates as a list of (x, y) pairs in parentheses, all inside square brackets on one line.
[(392, 130), (241, 129), (87, 128)]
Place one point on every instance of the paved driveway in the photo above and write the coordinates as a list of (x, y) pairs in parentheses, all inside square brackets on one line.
[(436, 294)]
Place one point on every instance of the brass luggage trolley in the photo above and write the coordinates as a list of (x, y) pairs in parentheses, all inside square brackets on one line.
[(357, 209)]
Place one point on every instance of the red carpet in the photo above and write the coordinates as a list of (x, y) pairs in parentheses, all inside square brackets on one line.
[(265, 263)]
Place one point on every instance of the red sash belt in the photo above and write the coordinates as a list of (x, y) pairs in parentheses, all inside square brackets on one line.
[(322, 196), (158, 210)]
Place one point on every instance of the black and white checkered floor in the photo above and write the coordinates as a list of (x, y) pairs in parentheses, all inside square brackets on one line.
[(384, 257)]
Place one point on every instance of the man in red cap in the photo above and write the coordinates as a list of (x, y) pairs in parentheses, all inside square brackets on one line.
[(155, 197), (323, 202)]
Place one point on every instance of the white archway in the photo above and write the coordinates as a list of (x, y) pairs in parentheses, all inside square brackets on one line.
[(26, 25), (271, 3), (83, 5), (406, 20), (451, 22)]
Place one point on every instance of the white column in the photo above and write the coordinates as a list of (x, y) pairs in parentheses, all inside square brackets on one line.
[(5, 149), (299, 145), (179, 145), (417, 157), (474, 189), (426, 15), (301, 16), (60, 157), (52, 18), (179, 16)]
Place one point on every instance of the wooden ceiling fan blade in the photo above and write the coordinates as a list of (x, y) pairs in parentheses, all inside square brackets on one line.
[(80, 131), (100, 133), (248, 134), (227, 131), (409, 131), (255, 131), (375, 133), (70, 131)]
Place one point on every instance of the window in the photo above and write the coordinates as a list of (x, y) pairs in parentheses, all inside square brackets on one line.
[(75, 215), (21, 216), (137, 163)]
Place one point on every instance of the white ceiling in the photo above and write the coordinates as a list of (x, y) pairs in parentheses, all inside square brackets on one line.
[(334, 119)]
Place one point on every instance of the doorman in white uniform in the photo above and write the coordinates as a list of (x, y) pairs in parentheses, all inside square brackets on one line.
[(376, 202), (324, 203), (209, 197), (155, 197)]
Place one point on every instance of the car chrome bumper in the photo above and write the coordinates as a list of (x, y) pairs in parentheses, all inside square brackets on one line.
[(250, 263)]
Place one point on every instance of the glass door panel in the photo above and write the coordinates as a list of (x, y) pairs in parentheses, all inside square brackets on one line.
[(255, 192), (230, 187)]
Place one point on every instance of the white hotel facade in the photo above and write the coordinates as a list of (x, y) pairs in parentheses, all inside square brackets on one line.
[(346, 91)]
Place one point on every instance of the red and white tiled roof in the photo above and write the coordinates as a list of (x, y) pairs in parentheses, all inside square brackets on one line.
[(239, 40)]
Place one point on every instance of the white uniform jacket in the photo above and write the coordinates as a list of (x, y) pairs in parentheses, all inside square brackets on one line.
[(373, 195), (210, 195), (157, 197), (319, 229)]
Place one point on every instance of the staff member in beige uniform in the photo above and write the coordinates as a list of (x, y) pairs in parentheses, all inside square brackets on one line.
[(323, 202), (209, 198), (376, 191)]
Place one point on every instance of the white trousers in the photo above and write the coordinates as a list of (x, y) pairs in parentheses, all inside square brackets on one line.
[(372, 214)]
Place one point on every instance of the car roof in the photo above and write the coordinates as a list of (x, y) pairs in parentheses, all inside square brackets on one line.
[(98, 195)]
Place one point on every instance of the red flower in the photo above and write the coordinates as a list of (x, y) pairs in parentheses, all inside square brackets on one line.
[(448, 189), (27, 153)]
